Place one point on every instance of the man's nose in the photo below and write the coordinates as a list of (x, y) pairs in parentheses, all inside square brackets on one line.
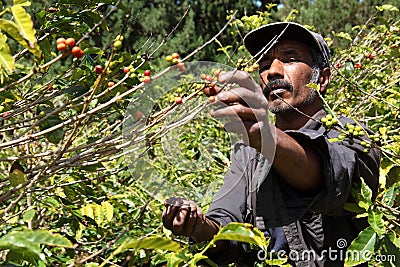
[(276, 71)]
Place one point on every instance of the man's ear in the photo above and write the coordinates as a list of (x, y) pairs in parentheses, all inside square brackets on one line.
[(324, 80)]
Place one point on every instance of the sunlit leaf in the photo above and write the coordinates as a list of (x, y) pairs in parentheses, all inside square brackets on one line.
[(22, 3), (173, 260), (108, 210), (24, 23), (375, 219), (27, 243), (151, 242), (244, 233), (389, 195), (87, 210), (28, 215), (43, 237), (196, 258), (6, 59), (363, 245), (387, 7), (13, 30), (98, 213)]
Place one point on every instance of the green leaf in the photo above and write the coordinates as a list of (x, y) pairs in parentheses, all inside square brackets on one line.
[(17, 177), (386, 7), (395, 240), (389, 195), (393, 175), (44, 237), (6, 59), (314, 86), (12, 29), (151, 242), (108, 210), (76, 91), (243, 233), (173, 260), (390, 252), (360, 247), (364, 195), (346, 36), (197, 257), (93, 51), (19, 244), (24, 23), (98, 214), (348, 69), (353, 208), (26, 244), (28, 215), (366, 192), (375, 219), (56, 135), (22, 3), (87, 210)]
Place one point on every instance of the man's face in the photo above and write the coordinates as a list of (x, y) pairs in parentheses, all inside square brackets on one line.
[(285, 72)]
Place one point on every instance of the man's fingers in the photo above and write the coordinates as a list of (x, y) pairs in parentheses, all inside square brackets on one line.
[(242, 95), (234, 112), (209, 91), (242, 127), (240, 112), (191, 219), (241, 78), (179, 216), (172, 206)]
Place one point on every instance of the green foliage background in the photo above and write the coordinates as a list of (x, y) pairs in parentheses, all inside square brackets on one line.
[(67, 196)]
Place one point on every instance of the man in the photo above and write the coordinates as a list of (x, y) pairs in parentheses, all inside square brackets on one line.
[(299, 202)]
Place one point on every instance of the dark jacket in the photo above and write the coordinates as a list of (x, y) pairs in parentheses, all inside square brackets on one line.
[(313, 225)]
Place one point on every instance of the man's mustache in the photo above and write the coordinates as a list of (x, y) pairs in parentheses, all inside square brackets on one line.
[(277, 83)]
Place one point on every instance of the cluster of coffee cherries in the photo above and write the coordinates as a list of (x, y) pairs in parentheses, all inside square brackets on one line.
[(146, 76), (328, 121), (64, 44), (175, 60)]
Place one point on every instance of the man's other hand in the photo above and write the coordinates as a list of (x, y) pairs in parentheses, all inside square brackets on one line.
[(185, 218)]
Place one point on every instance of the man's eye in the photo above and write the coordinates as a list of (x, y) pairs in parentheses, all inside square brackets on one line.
[(292, 59)]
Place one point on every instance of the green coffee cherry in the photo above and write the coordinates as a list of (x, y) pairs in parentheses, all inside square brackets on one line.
[(328, 121), (42, 114), (350, 126), (117, 45)]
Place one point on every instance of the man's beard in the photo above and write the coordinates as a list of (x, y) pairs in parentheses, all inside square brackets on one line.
[(282, 106)]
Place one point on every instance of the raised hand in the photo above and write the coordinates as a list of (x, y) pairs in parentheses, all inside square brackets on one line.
[(247, 109)]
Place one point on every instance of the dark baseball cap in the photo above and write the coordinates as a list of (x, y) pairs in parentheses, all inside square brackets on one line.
[(258, 39)]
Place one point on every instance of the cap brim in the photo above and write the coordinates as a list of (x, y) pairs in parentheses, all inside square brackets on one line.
[(257, 40)]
